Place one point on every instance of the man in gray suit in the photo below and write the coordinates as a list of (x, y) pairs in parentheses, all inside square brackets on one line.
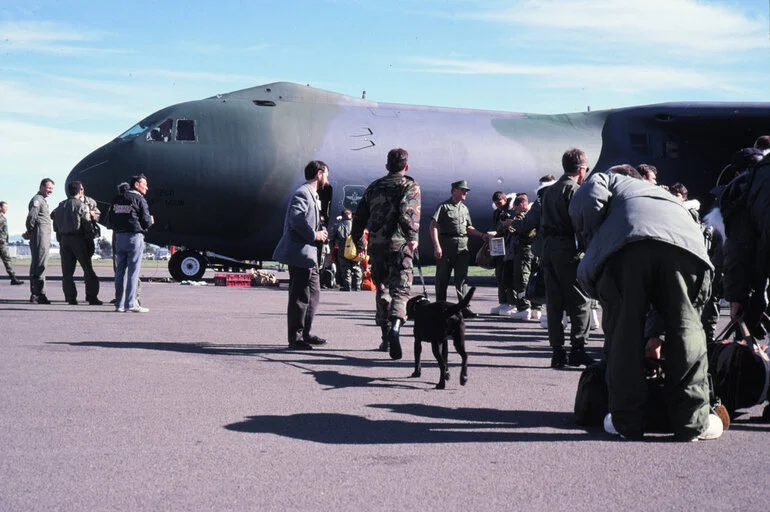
[(297, 248)]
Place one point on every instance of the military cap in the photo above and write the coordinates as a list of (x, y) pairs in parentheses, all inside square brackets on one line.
[(460, 184)]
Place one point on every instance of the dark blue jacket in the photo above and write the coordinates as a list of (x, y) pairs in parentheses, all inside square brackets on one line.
[(129, 213)]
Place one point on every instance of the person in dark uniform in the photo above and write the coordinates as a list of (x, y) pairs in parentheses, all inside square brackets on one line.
[(643, 248), (390, 208), (449, 229), (4, 254), (130, 219), (298, 248), (74, 229), (560, 262), (39, 234)]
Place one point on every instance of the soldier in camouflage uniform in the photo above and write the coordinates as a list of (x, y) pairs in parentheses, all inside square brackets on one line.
[(391, 209), (449, 230), (522, 256), (4, 254)]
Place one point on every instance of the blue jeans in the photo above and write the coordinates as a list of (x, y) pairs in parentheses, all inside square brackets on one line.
[(128, 251)]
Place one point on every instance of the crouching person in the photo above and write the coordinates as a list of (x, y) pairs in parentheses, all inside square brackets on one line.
[(646, 250)]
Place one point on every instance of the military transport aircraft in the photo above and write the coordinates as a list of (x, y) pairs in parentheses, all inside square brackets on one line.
[(222, 169)]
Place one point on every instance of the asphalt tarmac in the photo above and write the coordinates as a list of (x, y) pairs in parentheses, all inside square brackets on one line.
[(197, 405)]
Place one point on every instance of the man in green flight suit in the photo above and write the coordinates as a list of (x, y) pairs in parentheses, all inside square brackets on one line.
[(449, 230)]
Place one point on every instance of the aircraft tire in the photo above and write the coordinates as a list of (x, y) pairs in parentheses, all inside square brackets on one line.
[(187, 266)]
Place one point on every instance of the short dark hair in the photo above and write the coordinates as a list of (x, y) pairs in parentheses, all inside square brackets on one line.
[(314, 167), (762, 142), (520, 199), (136, 179), (572, 160), (678, 188), (625, 170), (498, 195), (2, 203), (646, 169), (46, 180), (397, 160), (74, 188), (545, 178)]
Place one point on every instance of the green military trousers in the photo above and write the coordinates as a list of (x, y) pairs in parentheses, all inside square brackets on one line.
[(455, 257), (562, 293), (676, 283)]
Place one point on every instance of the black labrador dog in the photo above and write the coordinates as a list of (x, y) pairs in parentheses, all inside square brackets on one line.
[(434, 322)]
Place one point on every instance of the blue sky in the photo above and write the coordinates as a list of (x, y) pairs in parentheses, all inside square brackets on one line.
[(74, 74)]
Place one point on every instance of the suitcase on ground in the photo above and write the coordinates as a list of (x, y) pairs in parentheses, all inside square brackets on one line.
[(740, 370)]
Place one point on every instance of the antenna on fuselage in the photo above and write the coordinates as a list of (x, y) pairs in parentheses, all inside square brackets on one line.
[(363, 95)]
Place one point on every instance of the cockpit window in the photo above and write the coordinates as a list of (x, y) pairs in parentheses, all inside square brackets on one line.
[(185, 130), (133, 131), (162, 132)]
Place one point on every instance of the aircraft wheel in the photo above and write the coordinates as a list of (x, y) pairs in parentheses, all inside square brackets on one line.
[(187, 266)]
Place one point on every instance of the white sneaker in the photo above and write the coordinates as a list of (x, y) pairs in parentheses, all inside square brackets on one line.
[(714, 429), (609, 427), (138, 309), (520, 315), (535, 314), (594, 320), (496, 310), (507, 310), (120, 310)]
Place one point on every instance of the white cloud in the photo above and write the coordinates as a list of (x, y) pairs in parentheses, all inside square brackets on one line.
[(50, 38), (668, 25), (54, 103), (622, 78)]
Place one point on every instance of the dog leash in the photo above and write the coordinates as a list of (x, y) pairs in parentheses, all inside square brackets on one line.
[(416, 258)]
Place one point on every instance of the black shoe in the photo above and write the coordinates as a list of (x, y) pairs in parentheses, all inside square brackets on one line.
[(578, 357), (72, 302), (39, 299), (384, 346), (467, 313), (315, 340), (559, 358), (394, 344), (16, 282), (95, 302), (344, 289), (33, 299), (300, 345)]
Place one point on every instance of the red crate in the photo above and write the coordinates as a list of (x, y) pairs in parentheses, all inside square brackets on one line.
[(232, 279)]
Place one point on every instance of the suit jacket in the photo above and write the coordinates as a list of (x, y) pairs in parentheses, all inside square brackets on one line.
[(297, 247)]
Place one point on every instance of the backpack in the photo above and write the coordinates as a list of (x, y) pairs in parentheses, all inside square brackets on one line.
[(350, 252), (740, 371)]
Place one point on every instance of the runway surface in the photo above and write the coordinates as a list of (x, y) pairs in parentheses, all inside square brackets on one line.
[(197, 405)]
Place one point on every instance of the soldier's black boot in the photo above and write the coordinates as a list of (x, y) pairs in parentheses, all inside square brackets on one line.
[(15, 281), (559, 357), (385, 345), (395, 344)]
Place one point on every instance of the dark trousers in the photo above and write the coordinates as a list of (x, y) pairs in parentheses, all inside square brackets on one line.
[(74, 249), (304, 294), (676, 284), (563, 293), (504, 277), (522, 268)]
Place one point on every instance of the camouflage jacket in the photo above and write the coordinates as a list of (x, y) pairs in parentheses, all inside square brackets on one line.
[(391, 209), (3, 229)]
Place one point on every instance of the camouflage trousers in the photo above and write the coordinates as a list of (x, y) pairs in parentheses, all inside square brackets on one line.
[(392, 275)]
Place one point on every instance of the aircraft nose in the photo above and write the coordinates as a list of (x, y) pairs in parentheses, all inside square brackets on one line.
[(97, 173)]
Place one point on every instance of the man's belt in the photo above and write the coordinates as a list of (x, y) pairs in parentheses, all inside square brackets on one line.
[(452, 236)]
